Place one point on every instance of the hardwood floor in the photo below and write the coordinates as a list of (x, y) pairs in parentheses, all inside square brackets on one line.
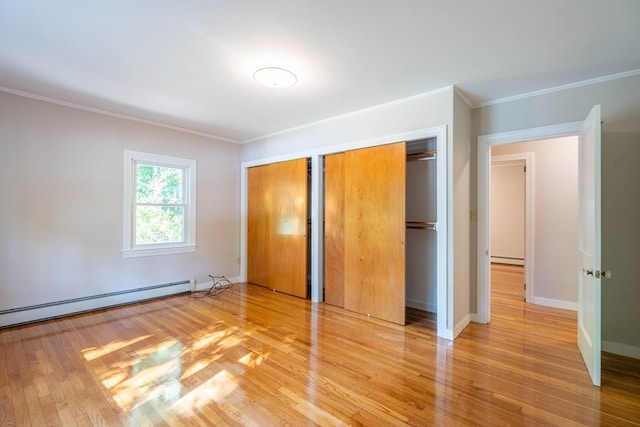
[(250, 356)]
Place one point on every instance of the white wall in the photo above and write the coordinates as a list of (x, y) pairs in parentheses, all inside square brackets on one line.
[(507, 211), (620, 102), (621, 242), (555, 218), (460, 168), (61, 204), (414, 113)]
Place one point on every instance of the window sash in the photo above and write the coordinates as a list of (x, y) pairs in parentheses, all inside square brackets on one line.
[(132, 245), (150, 233)]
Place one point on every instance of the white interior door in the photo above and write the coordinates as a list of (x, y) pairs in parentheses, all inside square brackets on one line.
[(589, 280)]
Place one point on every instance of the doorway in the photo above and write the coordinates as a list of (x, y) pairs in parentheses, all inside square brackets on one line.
[(551, 220), (508, 210), (543, 256), (588, 252), (511, 205)]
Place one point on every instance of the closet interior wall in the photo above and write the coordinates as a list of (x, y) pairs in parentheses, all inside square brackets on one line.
[(421, 232)]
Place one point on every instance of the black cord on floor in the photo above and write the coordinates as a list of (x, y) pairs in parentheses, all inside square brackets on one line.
[(219, 285)]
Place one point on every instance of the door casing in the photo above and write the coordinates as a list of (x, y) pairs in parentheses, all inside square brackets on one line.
[(485, 142)]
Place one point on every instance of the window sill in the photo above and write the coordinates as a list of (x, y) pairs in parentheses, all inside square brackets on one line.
[(167, 250)]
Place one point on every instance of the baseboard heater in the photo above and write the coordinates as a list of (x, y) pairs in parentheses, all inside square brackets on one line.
[(51, 310)]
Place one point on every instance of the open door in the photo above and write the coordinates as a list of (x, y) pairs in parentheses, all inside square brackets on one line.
[(589, 276)]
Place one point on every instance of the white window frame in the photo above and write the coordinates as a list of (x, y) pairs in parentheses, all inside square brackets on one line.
[(130, 249)]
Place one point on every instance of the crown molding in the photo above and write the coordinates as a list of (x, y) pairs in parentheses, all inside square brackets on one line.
[(462, 96), (112, 114), (352, 113), (560, 88)]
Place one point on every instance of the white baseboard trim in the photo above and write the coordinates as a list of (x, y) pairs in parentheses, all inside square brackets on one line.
[(556, 303), (34, 313), (461, 325), (621, 349), (421, 305)]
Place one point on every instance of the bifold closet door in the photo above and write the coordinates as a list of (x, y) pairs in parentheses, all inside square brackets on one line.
[(374, 231), (278, 213), (334, 229)]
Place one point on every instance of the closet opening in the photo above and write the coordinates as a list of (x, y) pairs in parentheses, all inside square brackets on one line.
[(421, 251), (380, 227)]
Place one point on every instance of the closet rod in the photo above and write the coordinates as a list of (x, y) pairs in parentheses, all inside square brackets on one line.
[(422, 156), (422, 225)]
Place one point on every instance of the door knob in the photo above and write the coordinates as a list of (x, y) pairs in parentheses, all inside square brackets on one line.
[(597, 273)]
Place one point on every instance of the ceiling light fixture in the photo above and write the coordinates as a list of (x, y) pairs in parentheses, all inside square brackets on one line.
[(275, 77)]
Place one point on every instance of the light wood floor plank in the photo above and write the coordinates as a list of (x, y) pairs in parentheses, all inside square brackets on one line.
[(251, 356)]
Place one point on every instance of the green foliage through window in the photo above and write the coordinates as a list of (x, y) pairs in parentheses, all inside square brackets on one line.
[(160, 205)]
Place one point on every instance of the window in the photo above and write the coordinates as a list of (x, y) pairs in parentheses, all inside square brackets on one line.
[(159, 205)]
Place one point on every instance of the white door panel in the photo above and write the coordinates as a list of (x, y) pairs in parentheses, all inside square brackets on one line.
[(589, 280)]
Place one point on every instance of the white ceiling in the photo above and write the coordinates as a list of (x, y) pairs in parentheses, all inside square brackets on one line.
[(190, 64)]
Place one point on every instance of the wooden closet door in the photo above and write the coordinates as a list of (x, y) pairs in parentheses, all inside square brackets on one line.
[(258, 225), (288, 227), (374, 232), (334, 229)]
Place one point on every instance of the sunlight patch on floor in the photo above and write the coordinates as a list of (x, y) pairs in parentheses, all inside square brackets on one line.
[(215, 389), (253, 360), (154, 374), (96, 352), (199, 365), (310, 410)]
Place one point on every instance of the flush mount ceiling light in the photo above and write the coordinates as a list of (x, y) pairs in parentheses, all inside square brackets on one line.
[(275, 77)]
